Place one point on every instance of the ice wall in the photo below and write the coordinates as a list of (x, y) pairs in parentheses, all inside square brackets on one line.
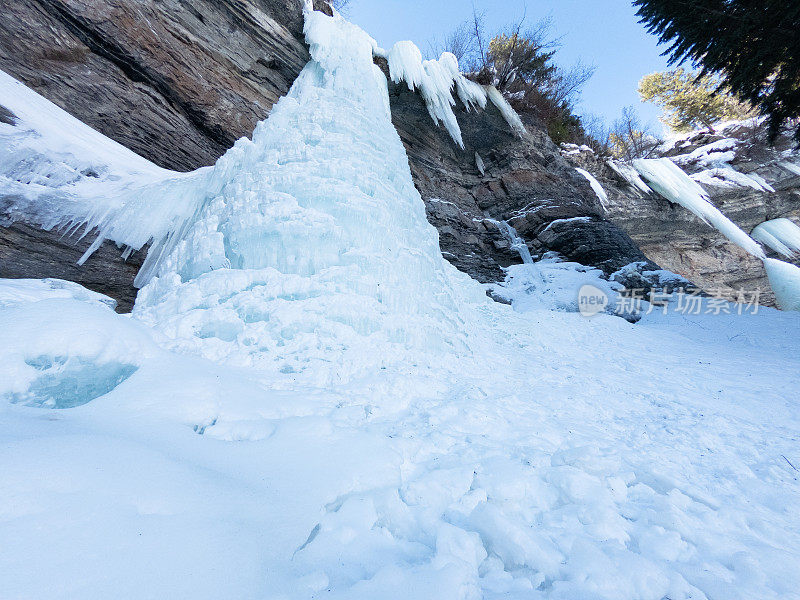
[(310, 249)]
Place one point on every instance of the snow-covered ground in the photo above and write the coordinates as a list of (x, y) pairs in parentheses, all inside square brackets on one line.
[(564, 457), (309, 402)]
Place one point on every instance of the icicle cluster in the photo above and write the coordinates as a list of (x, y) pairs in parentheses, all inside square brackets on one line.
[(437, 79), (781, 235)]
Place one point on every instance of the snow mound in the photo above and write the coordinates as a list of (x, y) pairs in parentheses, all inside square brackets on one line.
[(782, 235), (668, 180), (23, 291), (785, 281)]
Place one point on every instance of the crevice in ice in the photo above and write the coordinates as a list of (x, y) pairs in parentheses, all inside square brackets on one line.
[(669, 181)]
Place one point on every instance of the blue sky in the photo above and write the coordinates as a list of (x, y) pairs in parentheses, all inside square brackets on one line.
[(602, 32)]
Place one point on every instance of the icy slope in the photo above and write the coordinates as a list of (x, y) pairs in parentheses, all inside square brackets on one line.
[(369, 425)]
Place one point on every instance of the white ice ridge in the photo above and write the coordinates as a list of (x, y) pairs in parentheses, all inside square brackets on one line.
[(669, 180), (782, 235), (598, 189), (436, 80), (310, 243)]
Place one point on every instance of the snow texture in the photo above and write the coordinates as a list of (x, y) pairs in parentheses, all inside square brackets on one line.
[(668, 180), (782, 235), (598, 189), (310, 402)]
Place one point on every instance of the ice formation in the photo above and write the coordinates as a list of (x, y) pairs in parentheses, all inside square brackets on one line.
[(436, 80), (728, 177), (629, 174), (549, 457), (598, 189), (515, 241), (672, 183), (57, 172), (791, 167), (784, 278), (310, 242), (782, 235)]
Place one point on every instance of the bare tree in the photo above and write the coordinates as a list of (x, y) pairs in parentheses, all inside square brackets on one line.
[(460, 42), (339, 4), (630, 138)]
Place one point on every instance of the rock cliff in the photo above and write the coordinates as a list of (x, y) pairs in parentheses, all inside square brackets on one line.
[(178, 82), (678, 240)]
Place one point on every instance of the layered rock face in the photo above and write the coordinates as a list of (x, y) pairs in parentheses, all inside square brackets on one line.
[(178, 82), (500, 176), (678, 240)]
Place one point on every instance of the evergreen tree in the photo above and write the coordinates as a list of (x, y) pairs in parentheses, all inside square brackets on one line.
[(754, 45), (691, 100)]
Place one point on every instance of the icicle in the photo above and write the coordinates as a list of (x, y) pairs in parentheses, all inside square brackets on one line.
[(672, 183), (598, 189), (509, 114), (479, 164), (781, 235), (436, 80), (785, 281)]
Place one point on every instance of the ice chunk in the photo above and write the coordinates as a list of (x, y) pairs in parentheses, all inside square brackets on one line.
[(598, 189), (785, 281), (782, 235), (669, 180)]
